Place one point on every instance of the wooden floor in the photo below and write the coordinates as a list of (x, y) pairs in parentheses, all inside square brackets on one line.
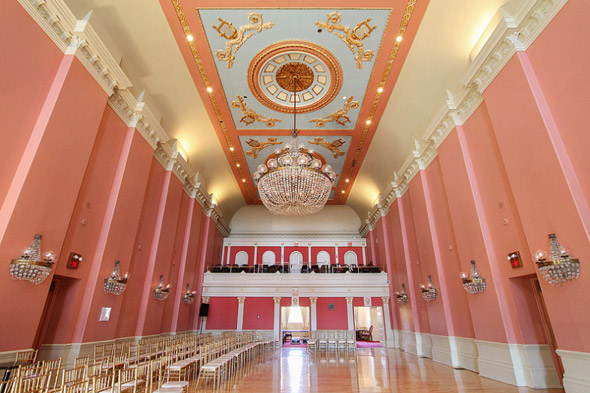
[(366, 370)]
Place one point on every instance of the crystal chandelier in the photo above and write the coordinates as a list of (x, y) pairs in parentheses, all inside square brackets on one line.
[(294, 183), (560, 267), (402, 298), (114, 284), (475, 283), (161, 292), (30, 266), (429, 292), (188, 297)]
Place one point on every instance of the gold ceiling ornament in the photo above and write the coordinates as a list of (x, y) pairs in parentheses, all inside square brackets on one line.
[(237, 39), (333, 146), (258, 146), (250, 116), (351, 37), (339, 116)]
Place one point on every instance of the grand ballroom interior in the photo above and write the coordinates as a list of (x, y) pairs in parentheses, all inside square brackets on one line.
[(294, 196)]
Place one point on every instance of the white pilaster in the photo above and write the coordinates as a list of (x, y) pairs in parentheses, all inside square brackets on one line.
[(336, 253), (349, 313), (241, 300), (255, 253), (222, 254), (388, 332), (205, 300), (277, 322), (282, 253), (365, 254), (313, 317), (309, 253), (228, 252)]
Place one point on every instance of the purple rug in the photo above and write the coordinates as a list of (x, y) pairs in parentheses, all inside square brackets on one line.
[(368, 344), (289, 345)]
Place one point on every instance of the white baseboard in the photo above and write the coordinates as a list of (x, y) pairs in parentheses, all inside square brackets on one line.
[(528, 365), (408, 342), (423, 345), (576, 378), (464, 353), (441, 349)]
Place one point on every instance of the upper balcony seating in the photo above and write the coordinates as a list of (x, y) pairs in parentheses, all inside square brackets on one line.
[(296, 268)]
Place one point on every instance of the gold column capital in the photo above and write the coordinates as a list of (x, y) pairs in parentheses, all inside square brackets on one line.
[(205, 299), (313, 299), (241, 299), (277, 299), (349, 299), (385, 299)]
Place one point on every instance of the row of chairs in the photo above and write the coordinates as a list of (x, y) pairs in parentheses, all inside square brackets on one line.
[(332, 339), (168, 367)]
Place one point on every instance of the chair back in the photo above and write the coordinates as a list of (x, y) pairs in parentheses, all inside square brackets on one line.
[(26, 356)]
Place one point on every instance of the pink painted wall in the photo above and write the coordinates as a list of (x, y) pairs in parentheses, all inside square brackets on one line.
[(223, 313), (258, 313), (512, 106), (25, 85), (331, 319)]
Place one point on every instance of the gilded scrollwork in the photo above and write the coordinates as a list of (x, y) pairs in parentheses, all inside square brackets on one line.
[(333, 146), (250, 116), (258, 146), (353, 38), (235, 39), (339, 116)]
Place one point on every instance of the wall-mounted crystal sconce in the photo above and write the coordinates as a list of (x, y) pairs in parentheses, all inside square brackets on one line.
[(161, 292), (188, 297), (429, 292), (31, 266), (475, 283), (559, 267), (402, 298), (114, 284)]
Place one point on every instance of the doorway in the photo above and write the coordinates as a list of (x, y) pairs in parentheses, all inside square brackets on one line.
[(369, 325), (295, 325)]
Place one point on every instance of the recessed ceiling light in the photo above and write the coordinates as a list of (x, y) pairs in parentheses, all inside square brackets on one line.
[(189, 37), (343, 191), (368, 122), (380, 90), (238, 164), (231, 148), (243, 180), (347, 180), (398, 38), (209, 89)]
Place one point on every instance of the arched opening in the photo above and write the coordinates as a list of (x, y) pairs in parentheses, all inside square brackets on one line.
[(323, 258), (350, 258), (241, 258), (268, 258)]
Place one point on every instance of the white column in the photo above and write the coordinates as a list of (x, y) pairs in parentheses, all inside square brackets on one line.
[(309, 253), (313, 316), (222, 254), (228, 252), (255, 253), (388, 332), (365, 254), (277, 324), (349, 312), (282, 253), (336, 247), (205, 300), (241, 300)]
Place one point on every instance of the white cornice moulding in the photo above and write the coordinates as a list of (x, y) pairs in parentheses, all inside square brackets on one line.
[(513, 33), (303, 241), (77, 37), (302, 238)]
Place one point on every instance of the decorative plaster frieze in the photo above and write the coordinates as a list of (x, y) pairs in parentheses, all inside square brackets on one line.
[(300, 237), (513, 33), (77, 37)]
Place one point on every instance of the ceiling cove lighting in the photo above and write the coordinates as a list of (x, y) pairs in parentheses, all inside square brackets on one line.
[(560, 267), (294, 182)]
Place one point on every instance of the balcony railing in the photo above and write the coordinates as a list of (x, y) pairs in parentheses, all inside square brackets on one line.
[(295, 269)]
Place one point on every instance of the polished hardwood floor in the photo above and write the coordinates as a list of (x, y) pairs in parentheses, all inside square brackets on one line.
[(366, 370)]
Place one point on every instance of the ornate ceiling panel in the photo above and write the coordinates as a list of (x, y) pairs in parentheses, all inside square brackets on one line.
[(250, 64)]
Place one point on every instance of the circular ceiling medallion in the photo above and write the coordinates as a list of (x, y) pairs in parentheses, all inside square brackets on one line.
[(316, 72)]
